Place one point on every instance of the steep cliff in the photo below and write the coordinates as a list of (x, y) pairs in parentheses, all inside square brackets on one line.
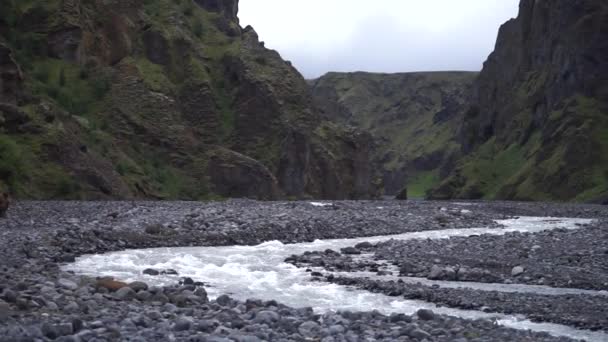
[(537, 128), (414, 118), (161, 99)]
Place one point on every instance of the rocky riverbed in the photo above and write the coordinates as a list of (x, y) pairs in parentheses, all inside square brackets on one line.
[(39, 301)]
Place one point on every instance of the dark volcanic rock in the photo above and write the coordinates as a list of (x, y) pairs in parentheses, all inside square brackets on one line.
[(235, 175), (184, 117), (540, 101)]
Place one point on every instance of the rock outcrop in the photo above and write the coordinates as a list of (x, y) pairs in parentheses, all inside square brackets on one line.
[(414, 117), (235, 175), (4, 203), (537, 126), (161, 99)]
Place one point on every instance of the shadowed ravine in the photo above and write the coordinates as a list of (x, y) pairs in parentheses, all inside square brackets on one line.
[(260, 272)]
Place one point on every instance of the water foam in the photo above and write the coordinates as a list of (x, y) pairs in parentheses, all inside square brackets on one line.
[(260, 272)]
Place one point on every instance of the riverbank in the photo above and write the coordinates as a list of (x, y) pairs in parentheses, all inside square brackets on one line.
[(38, 299)]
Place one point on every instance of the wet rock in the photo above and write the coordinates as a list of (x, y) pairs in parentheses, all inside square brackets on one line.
[(187, 281), (138, 286), (150, 271), (364, 245), (224, 300), (169, 272), (350, 251), (425, 314)]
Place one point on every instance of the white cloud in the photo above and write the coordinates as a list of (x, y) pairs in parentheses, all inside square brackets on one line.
[(382, 35)]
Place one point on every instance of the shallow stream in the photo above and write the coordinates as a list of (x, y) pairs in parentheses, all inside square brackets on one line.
[(260, 272)]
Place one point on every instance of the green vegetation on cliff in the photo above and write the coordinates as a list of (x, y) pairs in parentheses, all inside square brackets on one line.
[(537, 128), (414, 118), (138, 98)]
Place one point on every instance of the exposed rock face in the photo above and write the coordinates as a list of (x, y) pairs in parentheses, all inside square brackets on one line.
[(537, 126), (11, 77), (4, 203), (161, 99), (235, 175), (229, 8), (413, 116)]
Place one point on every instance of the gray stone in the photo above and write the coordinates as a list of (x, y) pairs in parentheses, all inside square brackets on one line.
[(49, 331), (51, 306), (155, 315), (336, 329), (143, 295), (67, 284), (267, 317), (168, 307), (419, 334), (224, 300), (64, 329), (72, 307), (138, 286), (309, 329), (517, 270), (246, 338), (350, 251), (425, 314), (182, 324), (364, 245), (435, 273), (9, 296), (4, 310), (125, 293)]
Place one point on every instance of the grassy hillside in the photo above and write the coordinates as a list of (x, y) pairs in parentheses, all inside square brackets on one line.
[(156, 99), (415, 118)]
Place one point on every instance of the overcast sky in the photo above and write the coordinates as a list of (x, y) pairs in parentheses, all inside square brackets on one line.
[(382, 35)]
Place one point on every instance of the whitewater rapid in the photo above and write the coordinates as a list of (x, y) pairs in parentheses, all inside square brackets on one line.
[(260, 272)]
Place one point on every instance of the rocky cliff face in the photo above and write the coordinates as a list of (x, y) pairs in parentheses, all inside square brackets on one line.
[(161, 99), (414, 118), (538, 125)]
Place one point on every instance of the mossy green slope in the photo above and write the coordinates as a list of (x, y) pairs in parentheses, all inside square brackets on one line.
[(413, 116), (136, 98), (537, 126)]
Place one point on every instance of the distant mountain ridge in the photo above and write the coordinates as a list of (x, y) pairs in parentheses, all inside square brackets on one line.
[(533, 125), (414, 118)]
